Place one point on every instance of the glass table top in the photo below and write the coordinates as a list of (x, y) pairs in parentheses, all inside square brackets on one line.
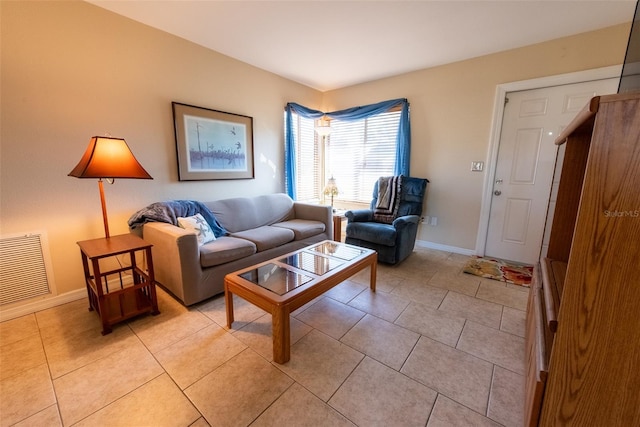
[(312, 263), (276, 278), (317, 260), (338, 250)]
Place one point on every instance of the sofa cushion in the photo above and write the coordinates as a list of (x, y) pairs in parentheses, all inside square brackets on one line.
[(266, 237), (383, 234), (246, 213), (225, 249), (302, 228)]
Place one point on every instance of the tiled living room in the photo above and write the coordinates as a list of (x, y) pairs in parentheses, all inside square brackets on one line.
[(432, 346)]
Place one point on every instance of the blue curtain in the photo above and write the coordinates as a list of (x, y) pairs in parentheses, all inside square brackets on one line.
[(403, 153)]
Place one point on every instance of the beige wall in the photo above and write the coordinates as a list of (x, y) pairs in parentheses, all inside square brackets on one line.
[(71, 70), (451, 116)]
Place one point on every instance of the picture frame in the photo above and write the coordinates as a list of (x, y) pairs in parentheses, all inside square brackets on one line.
[(212, 144)]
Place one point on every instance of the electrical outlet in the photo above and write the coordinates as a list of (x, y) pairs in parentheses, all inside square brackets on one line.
[(477, 166), (429, 220)]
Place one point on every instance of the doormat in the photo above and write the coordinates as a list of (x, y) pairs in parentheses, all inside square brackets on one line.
[(497, 269)]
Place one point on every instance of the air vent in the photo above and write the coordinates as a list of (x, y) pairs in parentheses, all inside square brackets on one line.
[(25, 270)]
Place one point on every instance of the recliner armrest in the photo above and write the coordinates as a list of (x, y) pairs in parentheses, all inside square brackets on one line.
[(359, 215), (404, 221)]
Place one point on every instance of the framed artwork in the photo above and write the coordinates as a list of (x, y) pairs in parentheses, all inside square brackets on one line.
[(212, 144)]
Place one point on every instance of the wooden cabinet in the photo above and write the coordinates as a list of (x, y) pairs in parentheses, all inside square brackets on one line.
[(536, 353), (584, 308)]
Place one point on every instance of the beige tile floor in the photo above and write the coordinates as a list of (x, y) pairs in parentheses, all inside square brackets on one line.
[(432, 347)]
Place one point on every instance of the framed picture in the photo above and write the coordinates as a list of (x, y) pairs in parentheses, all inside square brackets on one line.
[(212, 144)]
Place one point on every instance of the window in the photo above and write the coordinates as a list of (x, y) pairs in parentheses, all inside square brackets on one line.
[(359, 152), (356, 153)]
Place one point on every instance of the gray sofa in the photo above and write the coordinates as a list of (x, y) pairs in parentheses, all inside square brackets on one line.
[(259, 228)]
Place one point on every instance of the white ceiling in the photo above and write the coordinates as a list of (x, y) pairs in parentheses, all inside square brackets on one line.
[(328, 44)]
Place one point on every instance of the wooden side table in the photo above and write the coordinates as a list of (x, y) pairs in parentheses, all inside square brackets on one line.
[(122, 301), (338, 216)]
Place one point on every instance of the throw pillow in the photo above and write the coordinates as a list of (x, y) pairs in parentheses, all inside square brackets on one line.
[(198, 225)]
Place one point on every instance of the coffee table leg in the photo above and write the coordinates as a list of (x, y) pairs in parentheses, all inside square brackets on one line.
[(281, 334), (374, 268), (228, 302)]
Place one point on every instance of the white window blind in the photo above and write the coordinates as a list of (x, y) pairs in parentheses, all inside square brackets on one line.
[(308, 162), (357, 153)]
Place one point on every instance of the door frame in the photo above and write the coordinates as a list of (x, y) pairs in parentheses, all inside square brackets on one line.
[(496, 129)]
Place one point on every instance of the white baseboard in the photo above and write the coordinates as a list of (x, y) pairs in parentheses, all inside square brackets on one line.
[(45, 303), (445, 248), (41, 304)]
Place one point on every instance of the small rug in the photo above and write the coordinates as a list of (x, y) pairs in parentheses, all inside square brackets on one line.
[(497, 269)]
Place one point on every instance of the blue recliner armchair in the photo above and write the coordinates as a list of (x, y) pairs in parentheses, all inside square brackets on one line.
[(395, 241)]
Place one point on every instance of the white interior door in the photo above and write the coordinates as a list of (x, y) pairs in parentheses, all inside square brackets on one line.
[(525, 167)]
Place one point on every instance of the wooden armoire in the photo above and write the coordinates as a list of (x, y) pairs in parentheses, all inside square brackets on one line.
[(583, 319)]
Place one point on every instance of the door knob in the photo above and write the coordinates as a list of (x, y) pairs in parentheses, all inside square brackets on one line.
[(497, 192)]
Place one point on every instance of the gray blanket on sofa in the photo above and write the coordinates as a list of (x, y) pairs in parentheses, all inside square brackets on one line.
[(170, 211)]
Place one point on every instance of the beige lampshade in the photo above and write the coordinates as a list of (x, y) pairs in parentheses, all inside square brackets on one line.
[(331, 189), (108, 157)]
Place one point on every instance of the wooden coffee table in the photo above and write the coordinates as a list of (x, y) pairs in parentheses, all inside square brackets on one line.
[(283, 284)]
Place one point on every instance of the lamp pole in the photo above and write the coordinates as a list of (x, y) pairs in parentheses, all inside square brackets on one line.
[(104, 209)]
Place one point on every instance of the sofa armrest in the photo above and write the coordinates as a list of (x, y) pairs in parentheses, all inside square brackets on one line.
[(320, 213), (359, 215), (176, 256)]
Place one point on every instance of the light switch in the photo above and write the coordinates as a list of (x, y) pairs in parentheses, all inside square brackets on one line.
[(477, 166)]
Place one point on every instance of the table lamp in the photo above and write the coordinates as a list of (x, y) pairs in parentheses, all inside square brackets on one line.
[(108, 158), (331, 189)]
